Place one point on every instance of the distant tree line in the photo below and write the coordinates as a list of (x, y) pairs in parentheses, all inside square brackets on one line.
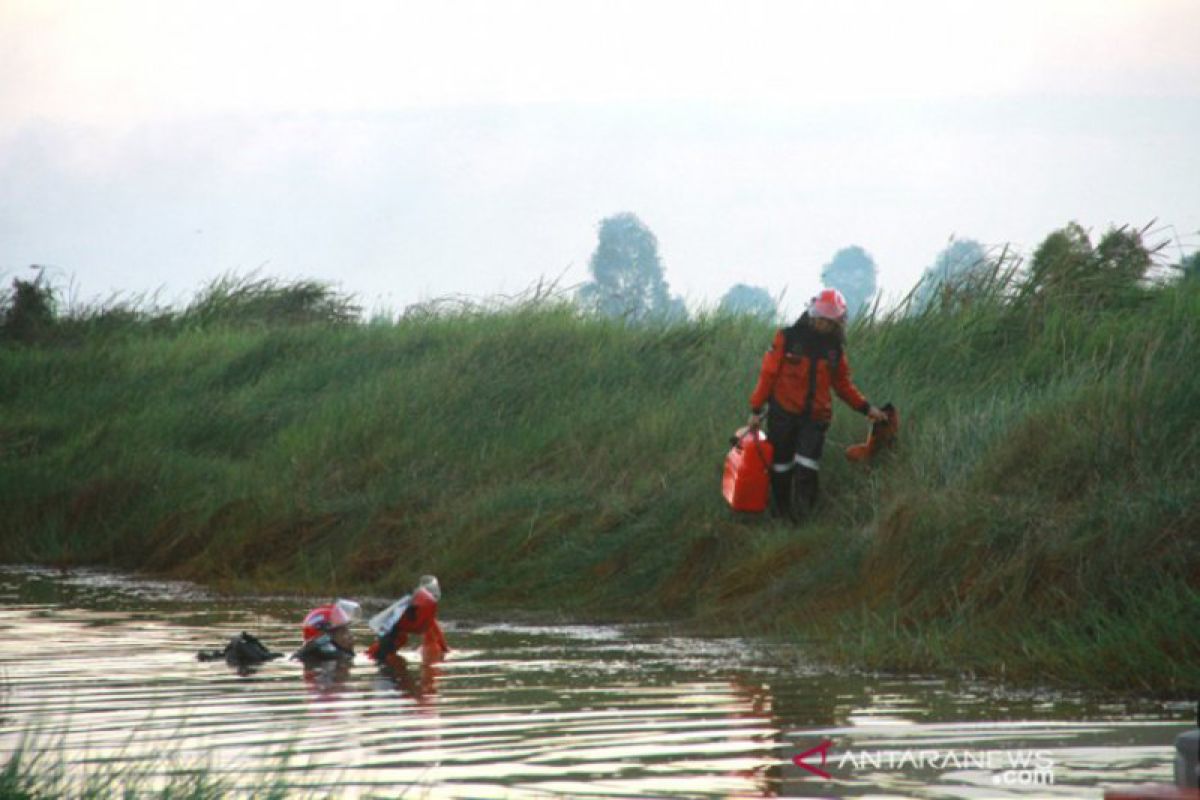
[(628, 279), (1066, 268), (628, 282)]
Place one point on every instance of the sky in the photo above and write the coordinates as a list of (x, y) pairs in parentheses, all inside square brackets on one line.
[(407, 151)]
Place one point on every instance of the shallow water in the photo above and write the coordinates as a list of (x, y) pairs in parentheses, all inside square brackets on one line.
[(101, 669)]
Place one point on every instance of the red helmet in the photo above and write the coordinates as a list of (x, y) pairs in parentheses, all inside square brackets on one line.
[(323, 619), (828, 304)]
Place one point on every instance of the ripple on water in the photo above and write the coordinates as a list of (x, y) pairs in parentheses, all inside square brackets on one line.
[(102, 668)]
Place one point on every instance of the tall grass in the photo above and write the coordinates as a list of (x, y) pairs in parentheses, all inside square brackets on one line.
[(41, 770), (1038, 520)]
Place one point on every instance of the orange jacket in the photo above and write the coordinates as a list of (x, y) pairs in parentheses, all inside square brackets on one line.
[(799, 370), (419, 617)]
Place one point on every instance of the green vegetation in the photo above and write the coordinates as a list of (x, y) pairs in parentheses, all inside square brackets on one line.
[(38, 770), (1038, 520)]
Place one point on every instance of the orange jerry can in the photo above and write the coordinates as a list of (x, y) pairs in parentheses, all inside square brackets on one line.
[(746, 482)]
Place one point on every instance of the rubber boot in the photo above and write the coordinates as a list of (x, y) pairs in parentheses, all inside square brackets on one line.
[(781, 494), (807, 484)]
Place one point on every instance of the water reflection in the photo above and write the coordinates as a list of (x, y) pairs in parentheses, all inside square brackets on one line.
[(418, 682), (106, 666)]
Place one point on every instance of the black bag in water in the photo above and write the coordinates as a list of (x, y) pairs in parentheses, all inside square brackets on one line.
[(241, 651)]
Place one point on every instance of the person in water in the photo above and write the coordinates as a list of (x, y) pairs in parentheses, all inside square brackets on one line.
[(244, 651), (327, 634), (415, 613)]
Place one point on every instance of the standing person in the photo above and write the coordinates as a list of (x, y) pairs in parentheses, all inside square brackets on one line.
[(804, 362)]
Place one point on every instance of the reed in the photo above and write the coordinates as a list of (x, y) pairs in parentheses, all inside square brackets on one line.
[(1038, 518), (43, 770)]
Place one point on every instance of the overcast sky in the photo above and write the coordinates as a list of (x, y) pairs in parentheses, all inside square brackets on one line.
[(411, 150)]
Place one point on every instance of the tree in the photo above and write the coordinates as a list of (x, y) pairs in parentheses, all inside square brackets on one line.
[(1121, 257), (1065, 265), (28, 310), (627, 275), (675, 310), (1060, 261), (1191, 266), (852, 272), (956, 271), (752, 300)]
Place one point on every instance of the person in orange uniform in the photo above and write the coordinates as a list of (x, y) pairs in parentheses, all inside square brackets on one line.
[(413, 613), (326, 632), (805, 362)]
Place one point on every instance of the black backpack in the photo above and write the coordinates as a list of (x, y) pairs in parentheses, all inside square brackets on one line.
[(241, 651)]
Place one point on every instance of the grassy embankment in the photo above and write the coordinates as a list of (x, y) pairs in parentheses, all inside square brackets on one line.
[(1040, 519)]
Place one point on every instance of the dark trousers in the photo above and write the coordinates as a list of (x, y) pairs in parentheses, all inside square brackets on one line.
[(798, 441)]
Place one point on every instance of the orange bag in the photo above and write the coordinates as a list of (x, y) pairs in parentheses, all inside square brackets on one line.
[(882, 434), (746, 482)]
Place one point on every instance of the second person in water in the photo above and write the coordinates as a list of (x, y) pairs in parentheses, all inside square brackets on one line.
[(415, 613), (328, 636)]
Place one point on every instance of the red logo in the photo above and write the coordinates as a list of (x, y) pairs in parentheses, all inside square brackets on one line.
[(823, 749)]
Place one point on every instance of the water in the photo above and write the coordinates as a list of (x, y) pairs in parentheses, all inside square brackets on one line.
[(103, 669)]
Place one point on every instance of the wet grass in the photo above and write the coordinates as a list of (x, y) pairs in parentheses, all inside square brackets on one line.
[(36, 772), (1038, 520)]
